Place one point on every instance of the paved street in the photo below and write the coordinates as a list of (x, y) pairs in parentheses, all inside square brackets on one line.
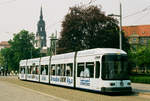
[(12, 89), (141, 88), (11, 92)]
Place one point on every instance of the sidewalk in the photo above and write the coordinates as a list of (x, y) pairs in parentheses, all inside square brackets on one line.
[(141, 88)]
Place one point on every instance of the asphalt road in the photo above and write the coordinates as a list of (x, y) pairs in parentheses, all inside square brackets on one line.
[(12, 89), (11, 92)]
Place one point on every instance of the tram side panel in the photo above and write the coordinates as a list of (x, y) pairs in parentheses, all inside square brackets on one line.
[(44, 69), (61, 71), (60, 75), (22, 74), (22, 70), (88, 73), (33, 69)]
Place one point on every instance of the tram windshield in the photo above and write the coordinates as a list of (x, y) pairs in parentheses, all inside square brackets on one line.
[(114, 67)]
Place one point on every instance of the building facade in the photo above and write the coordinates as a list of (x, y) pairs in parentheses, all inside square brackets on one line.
[(4, 44), (137, 35), (41, 33)]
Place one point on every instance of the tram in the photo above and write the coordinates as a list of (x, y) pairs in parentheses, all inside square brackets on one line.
[(100, 69)]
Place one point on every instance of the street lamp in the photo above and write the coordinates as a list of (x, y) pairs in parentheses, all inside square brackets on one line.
[(120, 30), (53, 40)]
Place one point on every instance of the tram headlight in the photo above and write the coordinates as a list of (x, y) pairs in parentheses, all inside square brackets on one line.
[(112, 84), (129, 83)]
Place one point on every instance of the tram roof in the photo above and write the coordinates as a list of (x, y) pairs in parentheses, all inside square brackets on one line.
[(63, 56), (34, 61), (100, 51), (96, 51), (23, 62), (45, 60)]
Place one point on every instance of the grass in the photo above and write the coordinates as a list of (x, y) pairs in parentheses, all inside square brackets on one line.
[(140, 79)]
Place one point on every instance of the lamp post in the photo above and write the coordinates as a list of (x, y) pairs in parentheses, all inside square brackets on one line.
[(120, 30), (53, 40)]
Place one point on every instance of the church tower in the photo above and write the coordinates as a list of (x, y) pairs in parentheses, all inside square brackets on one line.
[(41, 33)]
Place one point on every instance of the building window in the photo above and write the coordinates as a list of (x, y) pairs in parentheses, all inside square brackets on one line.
[(142, 40), (134, 40)]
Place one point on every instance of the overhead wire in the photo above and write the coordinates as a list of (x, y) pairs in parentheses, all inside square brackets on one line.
[(7, 1), (138, 12), (142, 17)]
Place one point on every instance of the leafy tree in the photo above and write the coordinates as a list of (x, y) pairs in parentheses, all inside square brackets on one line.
[(1, 60), (139, 58), (142, 56), (22, 47), (88, 27), (132, 60), (7, 55)]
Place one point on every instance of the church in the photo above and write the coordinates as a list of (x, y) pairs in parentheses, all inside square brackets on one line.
[(41, 34)]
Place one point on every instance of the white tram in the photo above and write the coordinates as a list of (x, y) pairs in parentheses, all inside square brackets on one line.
[(100, 69)]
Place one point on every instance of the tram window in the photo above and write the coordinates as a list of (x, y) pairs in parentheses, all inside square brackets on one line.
[(64, 70), (42, 69), (37, 70), (53, 70), (28, 70), (58, 72), (22, 71), (46, 68), (19, 69), (69, 69), (80, 70), (62, 66), (89, 70), (31, 69), (97, 69)]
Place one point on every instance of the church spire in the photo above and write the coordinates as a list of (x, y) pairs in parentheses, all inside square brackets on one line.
[(41, 14), (41, 33)]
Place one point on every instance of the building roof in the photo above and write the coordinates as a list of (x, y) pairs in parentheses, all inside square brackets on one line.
[(140, 30), (5, 44)]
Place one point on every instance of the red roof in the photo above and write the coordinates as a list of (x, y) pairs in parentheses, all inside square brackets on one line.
[(4, 43), (141, 30)]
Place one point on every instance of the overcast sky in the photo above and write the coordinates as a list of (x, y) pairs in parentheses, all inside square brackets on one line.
[(16, 15)]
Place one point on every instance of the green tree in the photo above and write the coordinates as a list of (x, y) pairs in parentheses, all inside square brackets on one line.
[(7, 55), (22, 47), (1, 60), (139, 58), (88, 27), (132, 61), (142, 56)]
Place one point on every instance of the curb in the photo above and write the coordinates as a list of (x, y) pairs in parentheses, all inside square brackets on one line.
[(145, 95), (148, 94)]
